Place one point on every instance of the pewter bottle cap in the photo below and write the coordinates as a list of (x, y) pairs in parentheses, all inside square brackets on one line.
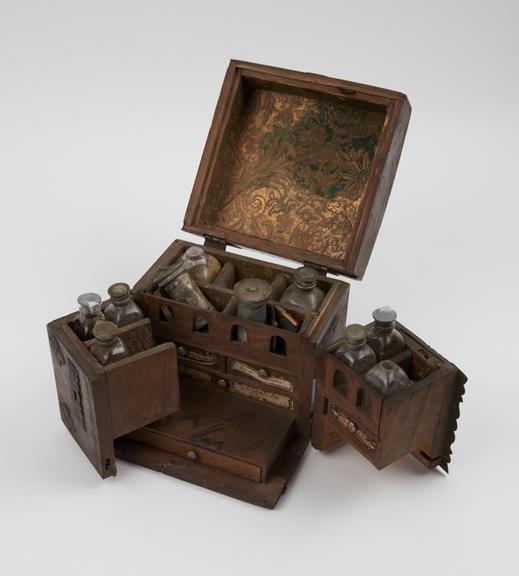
[(384, 315), (105, 331), (355, 334), (305, 277), (90, 301), (120, 293), (252, 291)]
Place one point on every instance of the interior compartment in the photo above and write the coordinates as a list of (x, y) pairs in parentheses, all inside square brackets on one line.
[(137, 337), (292, 318), (224, 431)]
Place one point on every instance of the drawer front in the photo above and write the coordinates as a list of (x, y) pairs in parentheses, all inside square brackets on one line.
[(197, 454), (193, 356), (349, 429), (261, 374)]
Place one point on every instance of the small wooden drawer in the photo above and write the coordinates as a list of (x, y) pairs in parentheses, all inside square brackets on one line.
[(193, 356), (261, 374), (100, 403), (222, 431), (194, 452)]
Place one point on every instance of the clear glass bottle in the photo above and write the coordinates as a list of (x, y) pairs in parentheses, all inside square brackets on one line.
[(354, 352), (122, 310), (388, 377), (304, 292), (89, 313), (107, 347), (252, 295), (206, 272), (383, 337)]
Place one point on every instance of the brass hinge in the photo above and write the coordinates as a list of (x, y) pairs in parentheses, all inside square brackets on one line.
[(214, 242)]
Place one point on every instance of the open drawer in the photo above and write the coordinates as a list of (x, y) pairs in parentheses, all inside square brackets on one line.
[(420, 420), (100, 403)]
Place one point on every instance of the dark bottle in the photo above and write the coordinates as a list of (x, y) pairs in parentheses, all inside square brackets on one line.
[(122, 310), (252, 295), (89, 314), (383, 337), (304, 292), (388, 377), (354, 352), (107, 347)]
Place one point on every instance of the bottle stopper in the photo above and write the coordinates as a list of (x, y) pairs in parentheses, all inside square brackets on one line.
[(305, 278), (105, 331)]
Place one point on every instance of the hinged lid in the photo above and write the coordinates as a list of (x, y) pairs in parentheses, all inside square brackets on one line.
[(299, 165)]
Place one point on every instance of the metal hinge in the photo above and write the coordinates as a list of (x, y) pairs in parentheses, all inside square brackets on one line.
[(214, 242), (322, 270)]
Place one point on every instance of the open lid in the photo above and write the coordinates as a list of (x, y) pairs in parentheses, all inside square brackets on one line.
[(299, 165)]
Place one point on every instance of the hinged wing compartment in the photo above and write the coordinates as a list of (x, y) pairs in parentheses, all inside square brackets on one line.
[(100, 403), (299, 165), (420, 421)]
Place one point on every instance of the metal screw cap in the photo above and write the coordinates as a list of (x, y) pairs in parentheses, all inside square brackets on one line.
[(384, 315), (105, 331), (252, 291), (192, 455), (355, 334), (120, 293), (305, 277)]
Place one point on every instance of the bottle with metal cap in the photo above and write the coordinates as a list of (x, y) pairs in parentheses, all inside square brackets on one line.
[(388, 377), (206, 272), (178, 285), (252, 295), (383, 337), (107, 347), (89, 314), (354, 352), (304, 292), (122, 310)]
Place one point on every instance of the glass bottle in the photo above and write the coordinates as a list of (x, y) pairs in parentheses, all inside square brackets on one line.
[(383, 337), (107, 347), (252, 295), (178, 285), (122, 310), (206, 272), (89, 314), (354, 352), (388, 377), (225, 278), (304, 292)]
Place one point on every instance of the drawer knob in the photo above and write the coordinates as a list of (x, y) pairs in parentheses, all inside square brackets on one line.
[(222, 382), (181, 351), (192, 455), (262, 373)]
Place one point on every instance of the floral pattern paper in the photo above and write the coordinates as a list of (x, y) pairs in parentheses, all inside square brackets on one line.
[(294, 169)]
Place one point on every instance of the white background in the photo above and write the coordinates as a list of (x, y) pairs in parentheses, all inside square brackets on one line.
[(104, 112)]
